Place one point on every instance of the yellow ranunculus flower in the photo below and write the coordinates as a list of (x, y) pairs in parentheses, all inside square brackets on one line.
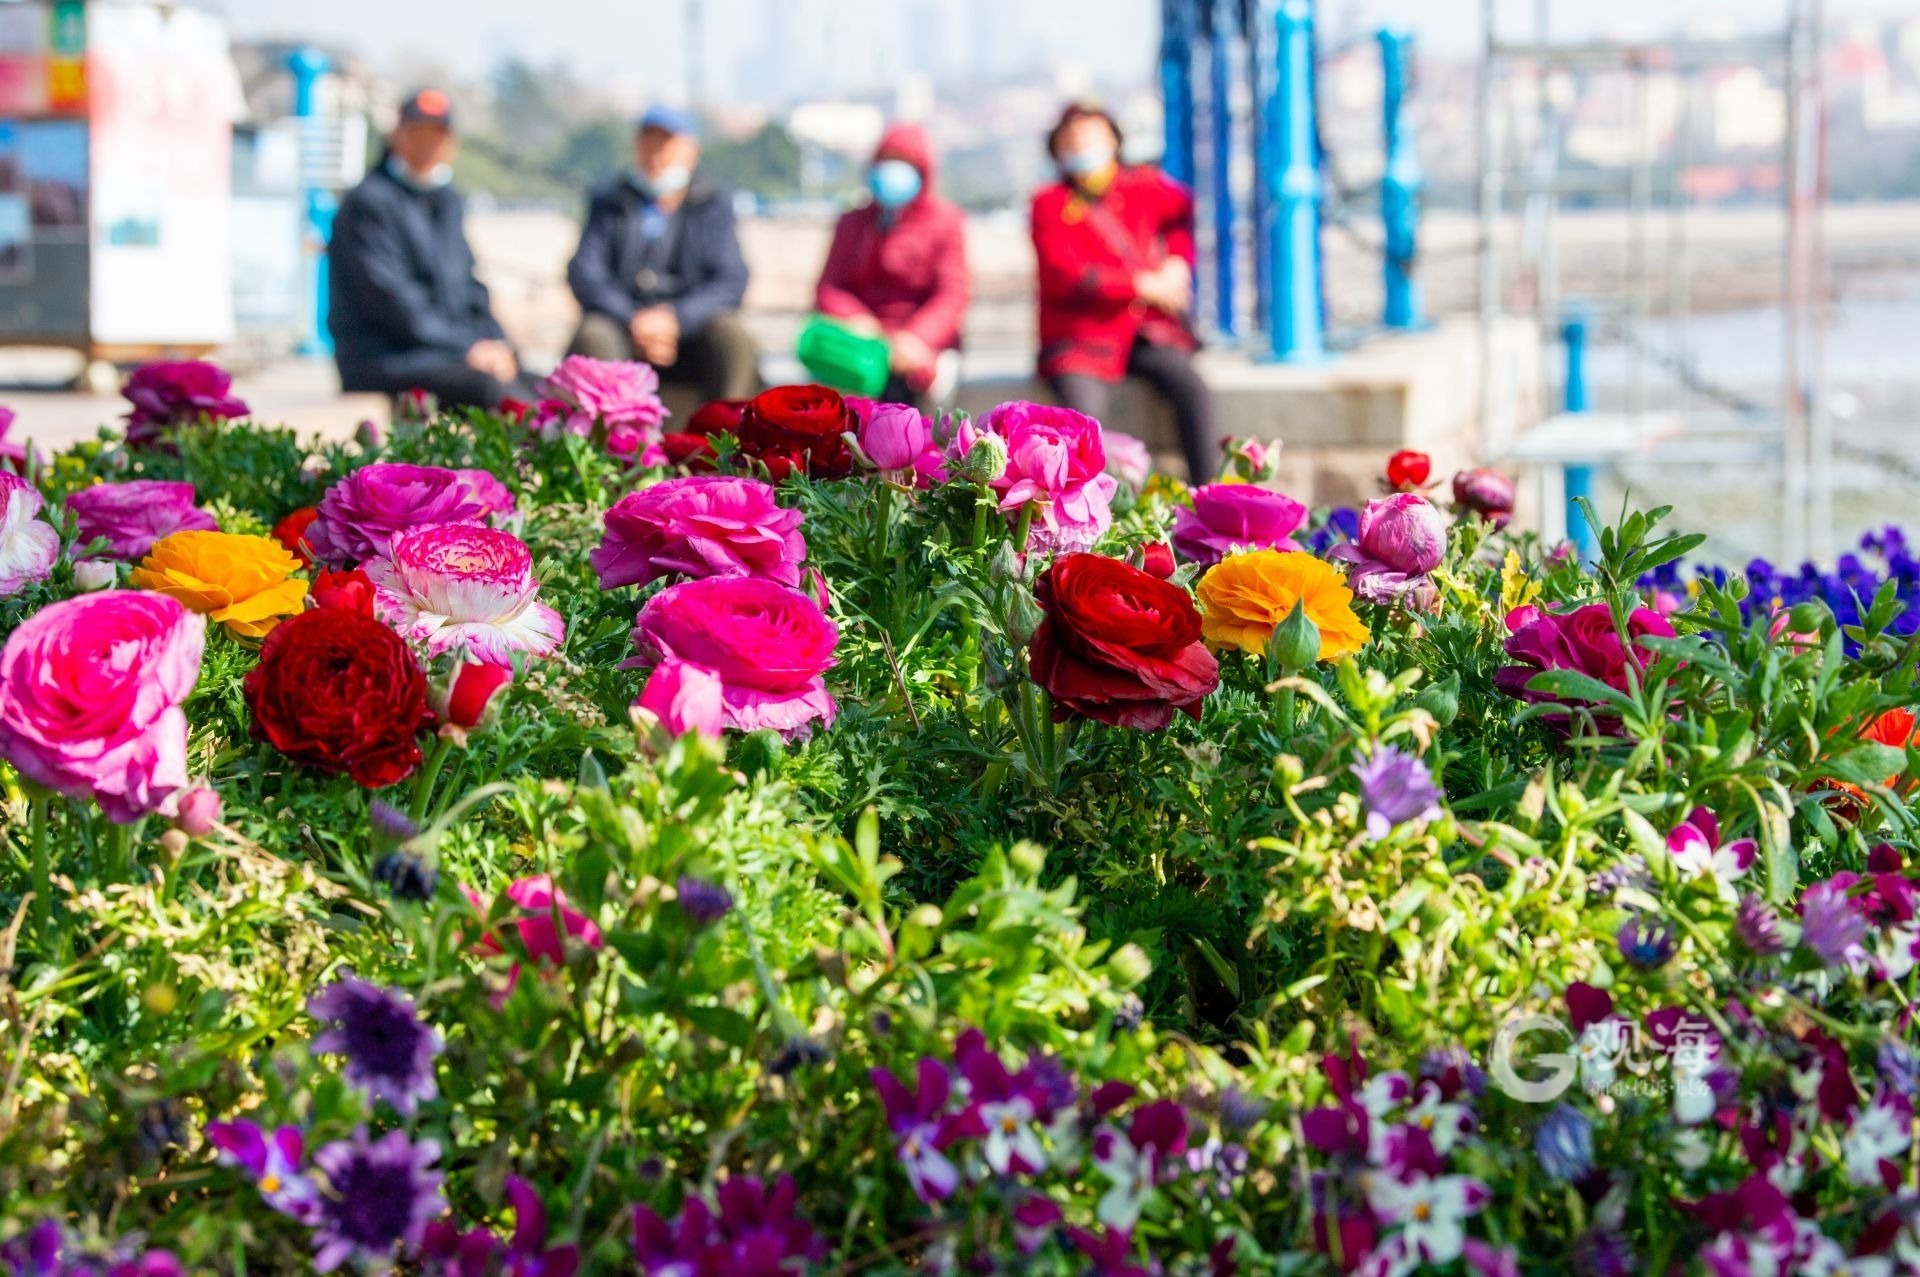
[(1245, 595), (244, 582)]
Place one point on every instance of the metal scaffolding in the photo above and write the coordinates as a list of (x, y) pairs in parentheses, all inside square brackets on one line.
[(1668, 410)]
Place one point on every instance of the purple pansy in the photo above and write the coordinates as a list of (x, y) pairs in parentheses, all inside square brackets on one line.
[(273, 1161)]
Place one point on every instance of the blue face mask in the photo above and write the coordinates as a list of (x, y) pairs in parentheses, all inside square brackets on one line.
[(894, 183), (1086, 163), (432, 180)]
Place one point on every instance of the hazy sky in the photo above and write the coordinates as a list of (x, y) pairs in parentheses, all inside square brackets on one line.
[(641, 43)]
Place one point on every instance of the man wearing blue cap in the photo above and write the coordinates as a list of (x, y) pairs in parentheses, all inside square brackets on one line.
[(658, 274), (406, 309)]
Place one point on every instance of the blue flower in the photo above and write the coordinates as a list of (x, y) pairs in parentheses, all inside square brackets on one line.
[(389, 1051), (383, 1196), (704, 903), (1396, 787), (1563, 1144), (1647, 943)]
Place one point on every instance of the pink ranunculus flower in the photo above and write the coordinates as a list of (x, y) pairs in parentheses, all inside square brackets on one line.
[(1057, 462), (28, 544), (1583, 640), (360, 514), (684, 697), (1128, 459), (177, 393), (487, 489), (544, 922), (452, 585), (700, 526), (897, 440), (1230, 516), (618, 392), (90, 696), (13, 456), (1402, 539), (135, 514), (770, 646)]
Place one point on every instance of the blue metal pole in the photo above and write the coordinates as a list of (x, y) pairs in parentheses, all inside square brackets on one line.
[(1577, 479), (1294, 324), (1400, 186), (1253, 29), (1176, 87), (1220, 102), (307, 66)]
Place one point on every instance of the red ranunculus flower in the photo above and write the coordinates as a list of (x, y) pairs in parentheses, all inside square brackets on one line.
[(1118, 645), (1408, 471), (340, 692), (691, 450), (717, 417), (795, 427), (291, 532), (350, 590)]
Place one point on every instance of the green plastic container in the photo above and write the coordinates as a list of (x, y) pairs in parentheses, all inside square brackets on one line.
[(839, 357)]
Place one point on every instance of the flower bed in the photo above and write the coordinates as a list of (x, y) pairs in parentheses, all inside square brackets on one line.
[(817, 838)]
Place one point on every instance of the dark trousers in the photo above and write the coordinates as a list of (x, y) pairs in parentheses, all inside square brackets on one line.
[(1171, 373), (718, 360), (446, 377)]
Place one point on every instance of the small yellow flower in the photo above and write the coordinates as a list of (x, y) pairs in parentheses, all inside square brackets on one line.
[(1165, 487), (244, 582), (1244, 596), (1516, 589)]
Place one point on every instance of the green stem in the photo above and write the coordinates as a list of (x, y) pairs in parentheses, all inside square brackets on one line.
[(980, 507), (423, 788), (1022, 532), (42, 869)]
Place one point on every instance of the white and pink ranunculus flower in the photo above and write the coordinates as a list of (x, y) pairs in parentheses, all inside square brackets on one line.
[(28, 543), (456, 586)]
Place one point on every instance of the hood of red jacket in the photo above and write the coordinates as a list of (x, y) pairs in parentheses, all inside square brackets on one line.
[(908, 142)]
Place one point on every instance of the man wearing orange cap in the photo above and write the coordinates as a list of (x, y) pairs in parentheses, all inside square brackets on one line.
[(406, 308)]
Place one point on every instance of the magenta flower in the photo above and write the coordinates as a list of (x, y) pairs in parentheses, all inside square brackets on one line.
[(923, 1128), (1402, 539), (382, 1196), (1011, 1108), (700, 526), (1487, 493), (177, 393), (446, 1251), (90, 697), (540, 902), (685, 697), (1397, 788), (13, 456), (1698, 852), (1056, 462), (617, 392), (1138, 1159), (754, 1233), (456, 586), (494, 496), (135, 514), (28, 544), (770, 646), (273, 1161), (1109, 1252), (1583, 640), (360, 515), (895, 439), (1831, 927), (389, 1052), (1235, 516)]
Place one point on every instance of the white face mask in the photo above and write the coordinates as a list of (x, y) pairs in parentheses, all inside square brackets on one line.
[(670, 180), (432, 180)]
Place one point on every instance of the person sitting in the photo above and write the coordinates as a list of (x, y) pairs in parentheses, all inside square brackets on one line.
[(898, 269), (1115, 250), (659, 275), (406, 310)]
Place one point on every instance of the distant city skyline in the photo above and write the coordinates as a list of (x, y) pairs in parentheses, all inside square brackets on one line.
[(758, 51)]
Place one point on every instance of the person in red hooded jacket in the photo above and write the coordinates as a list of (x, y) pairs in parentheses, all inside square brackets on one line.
[(1115, 252), (898, 265)]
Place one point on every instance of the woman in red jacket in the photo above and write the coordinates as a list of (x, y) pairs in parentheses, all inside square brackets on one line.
[(1115, 249), (898, 266)]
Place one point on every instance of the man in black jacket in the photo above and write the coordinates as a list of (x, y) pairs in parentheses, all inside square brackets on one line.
[(659, 275), (406, 309)]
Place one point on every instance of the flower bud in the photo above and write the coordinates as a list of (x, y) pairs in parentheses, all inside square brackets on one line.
[(1404, 532), (984, 462), (1130, 965), (1029, 858), (684, 697), (704, 903), (390, 826), (1005, 565), (1295, 643), (1442, 700), (198, 812), (95, 574), (1023, 616), (759, 753), (1808, 617), (1155, 558), (1484, 492), (173, 844), (1408, 470), (894, 436), (467, 697), (406, 875), (1251, 460), (369, 436)]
